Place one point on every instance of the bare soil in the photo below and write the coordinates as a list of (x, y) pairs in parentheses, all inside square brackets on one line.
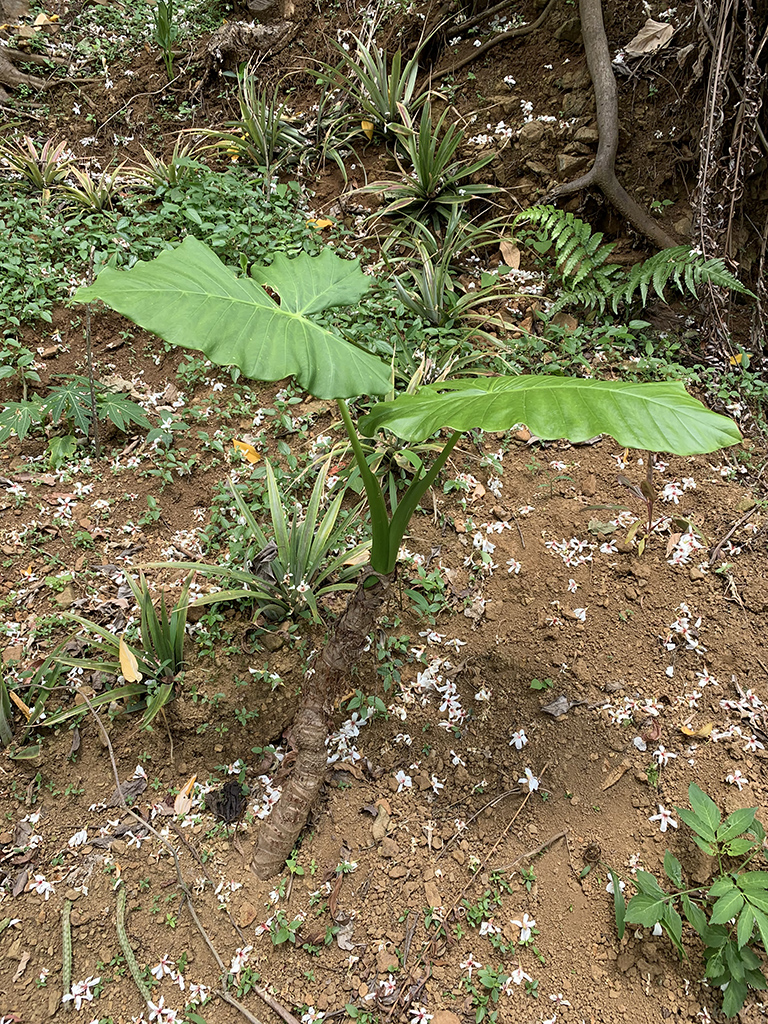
[(433, 850)]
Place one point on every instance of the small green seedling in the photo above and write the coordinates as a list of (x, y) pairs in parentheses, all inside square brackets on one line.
[(730, 916)]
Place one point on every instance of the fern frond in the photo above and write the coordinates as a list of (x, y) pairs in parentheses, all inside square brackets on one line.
[(686, 269), (588, 280)]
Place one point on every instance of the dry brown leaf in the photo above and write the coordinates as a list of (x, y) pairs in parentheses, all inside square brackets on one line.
[(379, 827), (616, 774), (250, 453), (22, 965), (510, 254), (23, 708), (129, 666), (654, 35), (672, 542)]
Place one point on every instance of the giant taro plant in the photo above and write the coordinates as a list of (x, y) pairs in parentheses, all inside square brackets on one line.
[(189, 298)]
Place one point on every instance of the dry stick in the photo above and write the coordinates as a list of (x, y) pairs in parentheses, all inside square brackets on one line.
[(491, 803), (716, 549), (483, 16), (602, 174), (66, 948), (514, 33), (531, 853), (221, 993)]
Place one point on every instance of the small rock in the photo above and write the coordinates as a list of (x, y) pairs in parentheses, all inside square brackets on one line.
[(271, 641), (398, 871), (66, 598), (569, 31), (433, 896), (247, 914), (587, 134), (386, 962), (569, 165), (388, 848), (531, 134), (445, 1017)]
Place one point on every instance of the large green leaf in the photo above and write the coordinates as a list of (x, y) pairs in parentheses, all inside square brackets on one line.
[(190, 298), (655, 417)]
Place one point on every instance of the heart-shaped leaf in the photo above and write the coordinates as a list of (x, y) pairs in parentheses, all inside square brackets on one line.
[(190, 298)]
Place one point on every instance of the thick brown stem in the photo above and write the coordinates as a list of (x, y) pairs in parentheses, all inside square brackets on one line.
[(278, 834), (603, 172)]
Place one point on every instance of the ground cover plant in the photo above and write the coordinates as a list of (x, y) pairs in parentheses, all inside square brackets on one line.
[(550, 638)]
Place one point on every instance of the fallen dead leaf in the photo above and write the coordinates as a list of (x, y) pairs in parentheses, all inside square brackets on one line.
[(701, 733), (379, 827), (654, 35), (344, 936), (616, 774), (249, 452), (183, 801), (510, 254), (22, 965)]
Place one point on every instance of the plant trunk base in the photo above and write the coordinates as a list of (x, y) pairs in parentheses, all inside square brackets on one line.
[(278, 834)]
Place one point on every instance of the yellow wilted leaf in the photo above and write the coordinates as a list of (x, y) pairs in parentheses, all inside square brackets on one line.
[(248, 450), (367, 127), (183, 801), (128, 664), (359, 559), (23, 708), (736, 360), (319, 223), (701, 733)]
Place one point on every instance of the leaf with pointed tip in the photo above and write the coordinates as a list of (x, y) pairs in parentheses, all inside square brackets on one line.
[(190, 298), (659, 417)]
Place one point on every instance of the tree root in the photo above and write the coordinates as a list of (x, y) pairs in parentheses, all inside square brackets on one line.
[(279, 832), (513, 33), (11, 77), (603, 171)]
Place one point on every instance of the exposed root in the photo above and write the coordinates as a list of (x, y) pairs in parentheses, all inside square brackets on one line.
[(602, 174), (513, 33)]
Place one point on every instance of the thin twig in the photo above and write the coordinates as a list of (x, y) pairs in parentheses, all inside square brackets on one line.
[(513, 33), (716, 549), (238, 1006), (526, 857), (89, 361)]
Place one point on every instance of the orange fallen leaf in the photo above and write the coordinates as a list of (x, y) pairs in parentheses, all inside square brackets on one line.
[(250, 453), (129, 666), (23, 708), (183, 801), (319, 223), (701, 733)]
